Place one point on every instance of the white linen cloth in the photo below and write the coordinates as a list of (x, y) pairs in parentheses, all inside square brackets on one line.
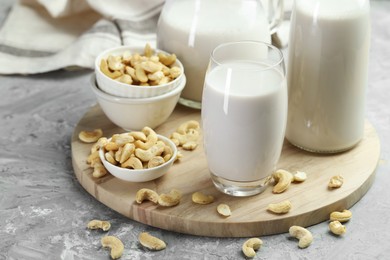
[(44, 35)]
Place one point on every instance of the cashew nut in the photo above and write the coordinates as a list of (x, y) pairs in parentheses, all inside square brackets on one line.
[(146, 194), (167, 153), (250, 246), (111, 146), (106, 71), (336, 182), (93, 157), (138, 135), (96, 224), (170, 199), (224, 210), (141, 74), (125, 78), (280, 208), (151, 139), (165, 59), (283, 180), (90, 136), (114, 244), (343, 216), (300, 176), (151, 67), (201, 198), (110, 157), (147, 155), (175, 72), (114, 63), (122, 139), (98, 170), (337, 228), (301, 233), (99, 144), (148, 51), (133, 163), (151, 242), (186, 126), (155, 161), (127, 150)]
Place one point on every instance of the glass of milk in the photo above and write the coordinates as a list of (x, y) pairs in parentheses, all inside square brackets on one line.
[(244, 115)]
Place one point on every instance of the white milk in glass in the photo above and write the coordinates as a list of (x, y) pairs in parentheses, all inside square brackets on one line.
[(244, 114), (192, 29), (327, 73)]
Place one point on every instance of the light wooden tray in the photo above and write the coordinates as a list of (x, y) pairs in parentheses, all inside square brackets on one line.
[(312, 201)]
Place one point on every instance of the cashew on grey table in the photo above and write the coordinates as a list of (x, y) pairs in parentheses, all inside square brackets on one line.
[(44, 210)]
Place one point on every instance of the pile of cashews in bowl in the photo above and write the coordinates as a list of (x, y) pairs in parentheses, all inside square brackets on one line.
[(137, 86)]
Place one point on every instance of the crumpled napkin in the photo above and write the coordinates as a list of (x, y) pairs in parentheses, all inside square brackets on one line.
[(45, 35)]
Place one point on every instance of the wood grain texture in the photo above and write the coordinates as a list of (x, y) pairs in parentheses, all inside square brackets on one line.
[(312, 201)]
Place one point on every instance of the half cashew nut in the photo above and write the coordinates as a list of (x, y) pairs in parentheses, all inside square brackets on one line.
[(90, 136), (224, 210), (201, 198), (304, 236), (146, 194), (300, 176), (336, 182), (114, 244), (250, 246), (96, 224), (171, 199)]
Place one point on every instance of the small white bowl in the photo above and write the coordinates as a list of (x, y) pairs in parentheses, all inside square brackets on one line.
[(143, 174), (135, 114), (120, 89)]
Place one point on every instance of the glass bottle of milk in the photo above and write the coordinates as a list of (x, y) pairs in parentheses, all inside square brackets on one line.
[(193, 28), (327, 74)]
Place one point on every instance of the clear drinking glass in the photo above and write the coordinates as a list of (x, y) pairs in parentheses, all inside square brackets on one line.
[(244, 114)]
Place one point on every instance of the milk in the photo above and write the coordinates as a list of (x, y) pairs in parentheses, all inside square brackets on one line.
[(243, 117), (192, 29), (327, 74)]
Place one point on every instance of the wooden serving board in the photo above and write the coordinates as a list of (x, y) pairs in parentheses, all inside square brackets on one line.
[(312, 201)]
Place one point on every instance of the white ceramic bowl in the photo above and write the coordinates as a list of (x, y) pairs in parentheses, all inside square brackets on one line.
[(135, 114), (120, 89), (143, 174)]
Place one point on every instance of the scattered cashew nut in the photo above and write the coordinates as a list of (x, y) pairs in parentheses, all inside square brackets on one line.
[(343, 216), (114, 244), (170, 199), (250, 246), (280, 208), (151, 242), (283, 180), (200, 198), (305, 237), (187, 135), (224, 210), (96, 224), (90, 136), (300, 176), (336, 182), (337, 228), (98, 170), (146, 194)]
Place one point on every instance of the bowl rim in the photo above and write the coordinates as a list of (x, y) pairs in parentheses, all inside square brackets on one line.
[(131, 49), (125, 100), (140, 172)]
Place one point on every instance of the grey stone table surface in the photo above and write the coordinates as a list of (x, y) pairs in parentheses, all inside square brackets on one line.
[(44, 210)]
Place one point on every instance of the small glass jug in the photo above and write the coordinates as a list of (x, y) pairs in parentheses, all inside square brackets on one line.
[(193, 28)]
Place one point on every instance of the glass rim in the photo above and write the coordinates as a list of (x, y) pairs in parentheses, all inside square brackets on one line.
[(273, 65)]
